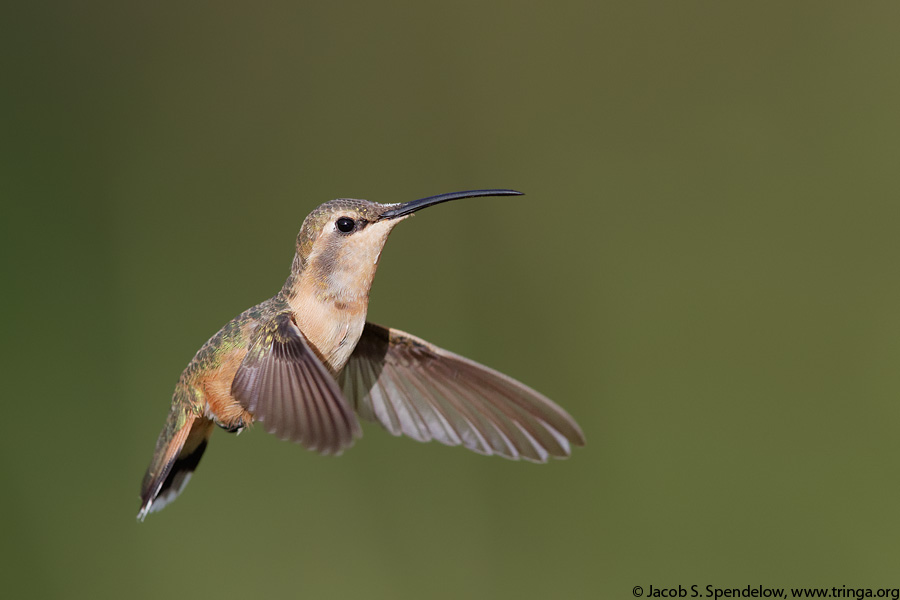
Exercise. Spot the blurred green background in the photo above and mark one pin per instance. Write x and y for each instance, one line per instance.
(703, 272)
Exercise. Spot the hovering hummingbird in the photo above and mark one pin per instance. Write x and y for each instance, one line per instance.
(305, 362)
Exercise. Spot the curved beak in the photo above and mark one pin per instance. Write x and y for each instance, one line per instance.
(406, 208)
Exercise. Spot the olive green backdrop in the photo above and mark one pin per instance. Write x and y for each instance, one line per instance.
(704, 272)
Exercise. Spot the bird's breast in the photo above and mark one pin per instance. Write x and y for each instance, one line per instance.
(332, 328)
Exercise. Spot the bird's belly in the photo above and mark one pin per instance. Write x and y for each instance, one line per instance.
(348, 337)
(216, 387)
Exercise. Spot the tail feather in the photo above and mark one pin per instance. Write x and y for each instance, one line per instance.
(178, 451)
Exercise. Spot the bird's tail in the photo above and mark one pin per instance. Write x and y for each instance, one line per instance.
(178, 450)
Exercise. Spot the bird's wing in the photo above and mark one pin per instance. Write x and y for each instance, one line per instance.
(286, 387)
(416, 389)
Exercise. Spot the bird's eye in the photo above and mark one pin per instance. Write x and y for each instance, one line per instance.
(345, 224)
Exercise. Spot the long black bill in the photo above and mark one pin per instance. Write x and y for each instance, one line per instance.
(411, 207)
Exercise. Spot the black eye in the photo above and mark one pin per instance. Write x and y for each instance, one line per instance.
(345, 225)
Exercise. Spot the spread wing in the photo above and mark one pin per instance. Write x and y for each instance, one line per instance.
(286, 387)
(416, 389)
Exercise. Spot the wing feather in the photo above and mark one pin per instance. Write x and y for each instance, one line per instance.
(416, 389)
(286, 387)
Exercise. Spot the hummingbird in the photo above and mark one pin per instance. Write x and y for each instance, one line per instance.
(307, 365)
